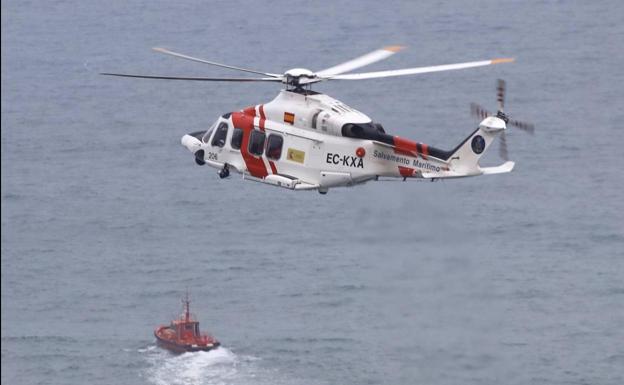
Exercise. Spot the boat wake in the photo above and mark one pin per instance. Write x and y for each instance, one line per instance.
(219, 366)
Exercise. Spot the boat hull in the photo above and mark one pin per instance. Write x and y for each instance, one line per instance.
(177, 347)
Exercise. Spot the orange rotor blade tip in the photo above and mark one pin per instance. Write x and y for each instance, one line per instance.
(394, 48)
(503, 60)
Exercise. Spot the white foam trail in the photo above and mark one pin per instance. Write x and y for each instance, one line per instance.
(219, 366)
(146, 349)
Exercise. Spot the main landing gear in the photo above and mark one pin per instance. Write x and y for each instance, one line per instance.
(224, 172)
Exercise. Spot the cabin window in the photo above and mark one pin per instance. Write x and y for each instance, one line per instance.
(219, 137)
(256, 142)
(237, 138)
(188, 327)
(274, 147)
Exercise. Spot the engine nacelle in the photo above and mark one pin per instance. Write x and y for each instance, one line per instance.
(328, 122)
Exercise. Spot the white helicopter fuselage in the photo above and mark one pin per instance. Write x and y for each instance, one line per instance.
(304, 140)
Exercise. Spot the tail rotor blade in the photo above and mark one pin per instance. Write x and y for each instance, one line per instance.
(500, 94)
(502, 149)
(478, 111)
(524, 126)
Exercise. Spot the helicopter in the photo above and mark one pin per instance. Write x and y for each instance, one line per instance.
(307, 140)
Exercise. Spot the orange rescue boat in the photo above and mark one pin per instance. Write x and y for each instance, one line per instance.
(183, 334)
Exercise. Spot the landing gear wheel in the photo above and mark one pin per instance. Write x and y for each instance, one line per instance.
(224, 172)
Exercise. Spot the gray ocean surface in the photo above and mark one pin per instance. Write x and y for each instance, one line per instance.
(106, 220)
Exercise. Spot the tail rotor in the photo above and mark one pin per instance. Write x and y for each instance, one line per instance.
(481, 113)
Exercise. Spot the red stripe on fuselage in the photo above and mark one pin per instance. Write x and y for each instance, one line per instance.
(262, 117)
(254, 164)
(425, 151)
(407, 147)
(406, 171)
(404, 146)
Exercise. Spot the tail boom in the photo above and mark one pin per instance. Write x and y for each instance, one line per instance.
(418, 160)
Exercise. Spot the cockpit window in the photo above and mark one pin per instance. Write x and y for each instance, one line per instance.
(219, 137)
(237, 138)
(206, 136)
(256, 142)
(274, 147)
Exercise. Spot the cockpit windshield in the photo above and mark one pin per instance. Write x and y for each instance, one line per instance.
(207, 134)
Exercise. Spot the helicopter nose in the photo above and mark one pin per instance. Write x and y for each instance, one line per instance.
(191, 143)
(194, 146)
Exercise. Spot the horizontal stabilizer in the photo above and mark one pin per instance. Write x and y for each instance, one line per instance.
(503, 168)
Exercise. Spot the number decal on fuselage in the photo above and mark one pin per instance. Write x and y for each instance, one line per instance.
(344, 160)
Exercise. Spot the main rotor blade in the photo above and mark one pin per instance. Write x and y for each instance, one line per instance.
(361, 61)
(528, 127)
(419, 70)
(500, 93)
(166, 51)
(194, 78)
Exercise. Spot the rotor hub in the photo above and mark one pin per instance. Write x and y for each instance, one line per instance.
(300, 72)
(294, 76)
(501, 115)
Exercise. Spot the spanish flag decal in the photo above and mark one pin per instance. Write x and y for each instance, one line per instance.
(295, 155)
(289, 117)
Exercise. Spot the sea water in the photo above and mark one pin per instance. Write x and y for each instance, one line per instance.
(106, 219)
